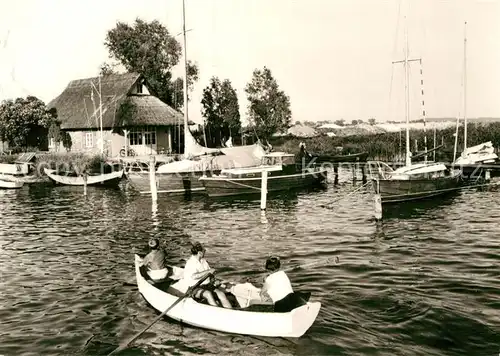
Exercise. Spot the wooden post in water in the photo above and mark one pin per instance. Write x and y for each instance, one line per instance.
(263, 192)
(363, 172)
(85, 184)
(336, 173)
(377, 200)
(152, 179)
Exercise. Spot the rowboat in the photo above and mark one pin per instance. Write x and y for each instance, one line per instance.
(235, 321)
(68, 178)
(10, 184)
(283, 174)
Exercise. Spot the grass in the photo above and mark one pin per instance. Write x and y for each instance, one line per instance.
(63, 162)
(391, 146)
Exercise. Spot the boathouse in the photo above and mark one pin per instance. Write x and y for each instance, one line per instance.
(132, 118)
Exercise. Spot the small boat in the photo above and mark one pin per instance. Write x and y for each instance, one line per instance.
(70, 178)
(413, 181)
(182, 177)
(6, 183)
(283, 174)
(235, 321)
(418, 181)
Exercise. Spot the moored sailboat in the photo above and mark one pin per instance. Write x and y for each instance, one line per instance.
(411, 182)
(480, 160)
(283, 174)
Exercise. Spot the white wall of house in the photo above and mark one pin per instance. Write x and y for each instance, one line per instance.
(144, 141)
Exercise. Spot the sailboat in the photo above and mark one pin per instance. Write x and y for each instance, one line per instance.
(412, 181)
(182, 177)
(479, 160)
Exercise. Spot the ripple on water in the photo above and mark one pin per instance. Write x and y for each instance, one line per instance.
(422, 282)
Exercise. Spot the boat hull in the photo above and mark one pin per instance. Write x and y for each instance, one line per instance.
(10, 184)
(234, 321)
(477, 170)
(396, 191)
(220, 186)
(168, 183)
(356, 157)
(107, 179)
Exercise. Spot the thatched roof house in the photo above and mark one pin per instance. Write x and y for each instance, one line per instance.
(125, 103)
(143, 121)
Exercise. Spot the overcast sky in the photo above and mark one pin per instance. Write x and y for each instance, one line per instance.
(332, 57)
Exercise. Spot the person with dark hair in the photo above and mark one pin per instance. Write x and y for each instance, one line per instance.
(155, 261)
(278, 288)
(197, 267)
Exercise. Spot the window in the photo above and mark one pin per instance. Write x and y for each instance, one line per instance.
(150, 138)
(135, 138)
(139, 88)
(89, 139)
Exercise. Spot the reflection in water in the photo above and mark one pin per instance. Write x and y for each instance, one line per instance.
(422, 208)
(420, 283)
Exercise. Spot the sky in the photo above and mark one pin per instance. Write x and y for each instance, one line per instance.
(333, 58)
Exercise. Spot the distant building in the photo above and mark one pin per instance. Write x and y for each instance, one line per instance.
(129, 115)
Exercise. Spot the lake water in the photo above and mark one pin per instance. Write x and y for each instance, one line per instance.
(424, 281)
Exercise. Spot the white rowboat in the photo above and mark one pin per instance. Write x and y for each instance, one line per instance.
(235, 321)
(107, 178)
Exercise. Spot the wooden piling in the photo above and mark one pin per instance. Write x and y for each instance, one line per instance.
(263, 191)
(377, 200)
(152, 179)
(85, 184)
(336, 174)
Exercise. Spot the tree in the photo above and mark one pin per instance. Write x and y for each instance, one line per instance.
(59, 135)
(107, 69)
(221, 110)
(269, 107)
(149, 49)
(371, 121)
(24, 122)
(340, 122)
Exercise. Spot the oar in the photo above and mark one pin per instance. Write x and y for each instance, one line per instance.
(187, 294)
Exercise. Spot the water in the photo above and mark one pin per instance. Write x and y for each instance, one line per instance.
(425, 281)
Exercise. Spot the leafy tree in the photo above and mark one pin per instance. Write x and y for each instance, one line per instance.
(107, 69)
(59, 135)
(269, 107)
(371, 121)
(340, 122)
(149, 49)
(221, 110)
(24, 122)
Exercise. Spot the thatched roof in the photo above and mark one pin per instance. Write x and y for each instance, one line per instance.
(302, 131)
(149, 110)
(77, 110)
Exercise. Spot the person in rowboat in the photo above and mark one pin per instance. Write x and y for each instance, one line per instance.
(278, 288)
(197, 267)
(155, 262)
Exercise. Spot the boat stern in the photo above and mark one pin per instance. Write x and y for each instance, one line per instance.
(303, 318)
